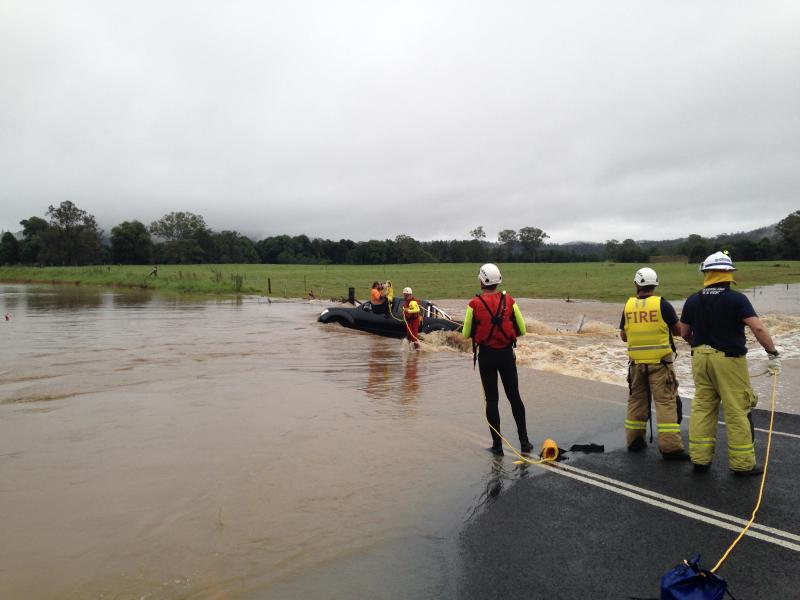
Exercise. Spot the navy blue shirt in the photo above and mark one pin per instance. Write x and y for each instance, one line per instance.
(716, 315)
(667, 313)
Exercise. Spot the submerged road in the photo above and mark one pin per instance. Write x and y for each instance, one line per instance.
(609, 525)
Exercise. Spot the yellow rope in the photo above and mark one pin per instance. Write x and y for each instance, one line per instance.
(408, 329)
(763, 477)
(443, 318)
(522, 459)
(406, 322)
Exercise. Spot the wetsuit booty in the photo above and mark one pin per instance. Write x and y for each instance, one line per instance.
(496, 450)
(525, 446)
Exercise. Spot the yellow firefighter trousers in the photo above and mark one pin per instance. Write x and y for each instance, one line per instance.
(720, 378)
(664, 391)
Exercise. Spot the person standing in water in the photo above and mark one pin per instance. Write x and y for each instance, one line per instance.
(648, 323)
(494, 322)
(411, 317)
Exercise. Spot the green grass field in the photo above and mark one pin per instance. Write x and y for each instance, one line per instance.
(599, 281)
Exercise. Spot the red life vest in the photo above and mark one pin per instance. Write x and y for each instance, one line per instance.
(493, 320)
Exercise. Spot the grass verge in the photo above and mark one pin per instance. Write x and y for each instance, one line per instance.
(598, 281)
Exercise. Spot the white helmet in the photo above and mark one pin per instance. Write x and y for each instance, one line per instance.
(490, 274)
(645, 276)
(719, 261)
(407, 290)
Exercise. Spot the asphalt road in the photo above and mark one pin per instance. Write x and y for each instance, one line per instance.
(570, 535)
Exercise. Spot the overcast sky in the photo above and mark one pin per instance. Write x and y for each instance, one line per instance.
(590, 120)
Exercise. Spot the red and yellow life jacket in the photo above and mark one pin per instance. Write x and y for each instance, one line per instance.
(413, 316)
(493, 320)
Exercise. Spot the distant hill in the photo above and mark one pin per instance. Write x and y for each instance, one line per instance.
(582, 247)
(755, 235)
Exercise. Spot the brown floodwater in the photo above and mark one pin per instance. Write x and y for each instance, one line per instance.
(163, 447)
(158, 447)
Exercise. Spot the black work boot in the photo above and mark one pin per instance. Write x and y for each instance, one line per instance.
(637, 445)
(698, 468)
(679, 455)
(756, 470)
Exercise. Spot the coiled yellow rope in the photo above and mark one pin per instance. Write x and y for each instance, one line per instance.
(522, 458)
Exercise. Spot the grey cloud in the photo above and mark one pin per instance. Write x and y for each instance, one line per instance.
(370, 119)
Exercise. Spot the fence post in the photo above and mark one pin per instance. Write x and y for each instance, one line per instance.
(351, 295)
(269, 286)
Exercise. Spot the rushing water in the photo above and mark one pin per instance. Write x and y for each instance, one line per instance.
(159, 447)
(581, 339)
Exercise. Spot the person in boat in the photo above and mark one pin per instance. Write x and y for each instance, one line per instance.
(388, 292)
(377, 299)
(411, 316)
(648, 323)
(494, 322)
(713, 321)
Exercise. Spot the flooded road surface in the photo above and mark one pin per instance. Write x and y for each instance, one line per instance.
(157, 447)
(154, 447)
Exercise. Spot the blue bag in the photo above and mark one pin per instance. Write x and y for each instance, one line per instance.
(687, 581)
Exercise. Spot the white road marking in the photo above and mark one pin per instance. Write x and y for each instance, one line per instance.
(675, 509)
(774, 432)
(679, 502)
(688, 417)
(794, 435)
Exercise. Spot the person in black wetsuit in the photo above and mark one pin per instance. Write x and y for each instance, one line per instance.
(494, 322)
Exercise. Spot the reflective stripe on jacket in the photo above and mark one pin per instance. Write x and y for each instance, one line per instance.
(647, 332)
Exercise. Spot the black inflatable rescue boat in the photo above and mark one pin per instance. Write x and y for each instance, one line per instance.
(380, 321)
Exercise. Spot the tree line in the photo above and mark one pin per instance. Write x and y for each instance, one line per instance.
(69, 236)
(696, 247)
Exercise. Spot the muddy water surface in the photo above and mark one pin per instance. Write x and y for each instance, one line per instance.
(157, 447)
